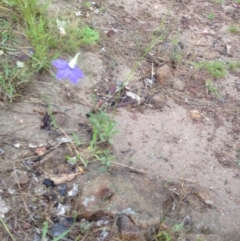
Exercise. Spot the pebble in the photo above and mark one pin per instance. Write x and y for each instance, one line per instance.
(164, 75)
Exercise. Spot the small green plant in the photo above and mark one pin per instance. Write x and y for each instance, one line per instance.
(88, 4)
(238, 1)
(7, 229)
(162, 236)
(103, 129)
(234, 65)
(211, 88)
(73, 160)
(215, 68)
(209, 15)
(105, 157)
(234, 29)
(45, 231)
(11, 78)
(176, 57)
(177, 228)
(78, 36)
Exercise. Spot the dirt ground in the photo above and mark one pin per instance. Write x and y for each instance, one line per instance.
(177, 152)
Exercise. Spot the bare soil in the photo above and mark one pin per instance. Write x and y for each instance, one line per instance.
(177, 153)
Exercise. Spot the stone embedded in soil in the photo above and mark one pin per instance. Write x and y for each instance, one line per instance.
(128, 230)
(195, 115)
(20, 177)
(158, 102)
(164, 75)
(4, 208)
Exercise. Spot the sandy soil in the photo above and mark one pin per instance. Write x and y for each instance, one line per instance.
(181, 143)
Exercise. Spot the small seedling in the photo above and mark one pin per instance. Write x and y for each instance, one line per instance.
(73, 160)
(103, 129)
(88, 4)
(211, 88)
(45, 231)
(78, 36)
(234, 65)
(105, 157)
(216, 68)
(177, 228)
(209, 15)
(234, 29)
(162, 236)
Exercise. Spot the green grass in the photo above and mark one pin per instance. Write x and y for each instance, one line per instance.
(211, 88)
(7, 230)
(42, 35)
(210, 16)
(103, 129)
(234, 65)
(45, 231)
(234, 29)
(162, 236)
(215, 68)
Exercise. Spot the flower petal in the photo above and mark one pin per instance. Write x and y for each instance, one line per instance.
(62, 73)
(78, 72)
(59, 63)
(75, 75)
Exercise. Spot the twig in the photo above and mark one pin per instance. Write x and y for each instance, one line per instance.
(139, 170)
(8, 231)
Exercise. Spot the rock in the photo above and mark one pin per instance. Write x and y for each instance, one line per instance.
(164, 75)
(20, 177)
(178, 84)
(91, 199)
(195, 115)
(4, 208)
(158, 102)
(127, 229)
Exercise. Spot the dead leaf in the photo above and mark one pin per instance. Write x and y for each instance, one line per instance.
(40, 150)
(64, 178)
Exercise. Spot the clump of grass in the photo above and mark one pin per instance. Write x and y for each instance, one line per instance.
(78, 36)
(211, 88)
(234, 29)
(162, 236)
(103, 128)
(215, 68)
(210, 16)
(44, 39)
(234, 65)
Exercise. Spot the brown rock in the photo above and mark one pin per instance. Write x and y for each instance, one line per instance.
(158, 102)
(20, 177)
(164, 75)
(127, 229)
(195, 115)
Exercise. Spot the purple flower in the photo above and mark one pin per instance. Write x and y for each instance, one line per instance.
(68, 70)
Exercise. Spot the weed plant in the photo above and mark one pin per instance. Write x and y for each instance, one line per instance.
(211, 88)
(234, 29)
(103, 129)
(210, 16)
(215, 68)
(43, 35)
(234, 65)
